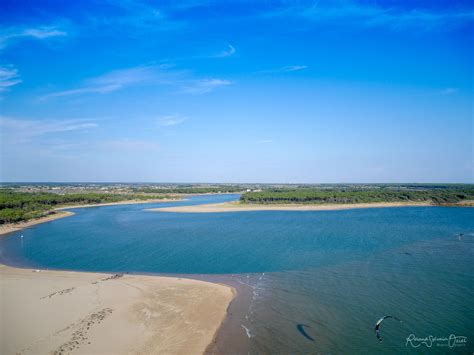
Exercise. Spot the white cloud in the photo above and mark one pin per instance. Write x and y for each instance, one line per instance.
(448, 91)
(85, 90)
(8, 77)
(134, 17)
(286, 69)
(203, 86)
(368, 14)
(119, 79)
(265, 141)
(172, 120)
(230, 51)
(142, 75)
(43, 32)
(14, 33)
(126, 76)
(293, 68)
(27, 129)
(33, 139)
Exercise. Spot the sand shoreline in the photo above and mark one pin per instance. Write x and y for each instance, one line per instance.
(14, 227)
(238, 207)
(61, 212)
(126, 202)
(61, 311)
(55, 311)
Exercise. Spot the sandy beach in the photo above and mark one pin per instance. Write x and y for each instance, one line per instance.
(13, 227)
(239, 207)
(61, 312)
(126, 202)
(90, 313)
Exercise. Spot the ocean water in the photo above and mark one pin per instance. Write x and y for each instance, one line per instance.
(331, 273)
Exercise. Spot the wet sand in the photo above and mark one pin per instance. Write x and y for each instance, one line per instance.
(61, 311)
(241, 207)
(231, 334)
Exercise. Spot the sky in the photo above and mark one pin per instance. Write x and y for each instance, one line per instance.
(237, 91)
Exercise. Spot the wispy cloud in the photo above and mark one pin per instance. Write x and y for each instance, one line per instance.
(372, 14)
(43, 32)
(8, 77)
(64, 138)
(448, 91)
(292, 68)
(119, 79)
(230, 51)
(171, 120)
(8, 35)
(84, 90)
(163, 74)
(285, 69)
(197, 87)
(27, 129)
(134, 17)
(264, 141)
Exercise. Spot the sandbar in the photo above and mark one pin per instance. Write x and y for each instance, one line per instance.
(125, 202)
(44, 311)
(241, 207)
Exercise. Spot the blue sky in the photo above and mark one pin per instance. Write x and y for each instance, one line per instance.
(241, 91)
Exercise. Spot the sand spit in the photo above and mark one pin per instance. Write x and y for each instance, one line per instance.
(89, 313)
(239, 207)
(126, 202)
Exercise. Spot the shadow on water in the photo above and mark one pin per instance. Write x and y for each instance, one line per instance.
(300, 328)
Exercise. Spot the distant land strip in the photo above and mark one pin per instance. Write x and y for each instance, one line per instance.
(242, 207)
(29, 210)
(19, 206)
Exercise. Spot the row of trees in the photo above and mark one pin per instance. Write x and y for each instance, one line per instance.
(320, 196)
(22, 206)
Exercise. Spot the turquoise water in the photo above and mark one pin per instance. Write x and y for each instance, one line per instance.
(337, 272)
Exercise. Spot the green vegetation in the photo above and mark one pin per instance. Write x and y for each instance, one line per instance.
(22, 206)
(24, 202)
(338, 195)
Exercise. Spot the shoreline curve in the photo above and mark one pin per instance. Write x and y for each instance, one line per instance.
(62, 211)
(92, 312)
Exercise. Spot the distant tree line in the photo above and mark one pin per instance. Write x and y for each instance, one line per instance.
(21, 206)
(436, 195)
(191, 190)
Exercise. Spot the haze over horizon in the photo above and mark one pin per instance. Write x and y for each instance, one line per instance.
(237, 92)
(402, 183)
